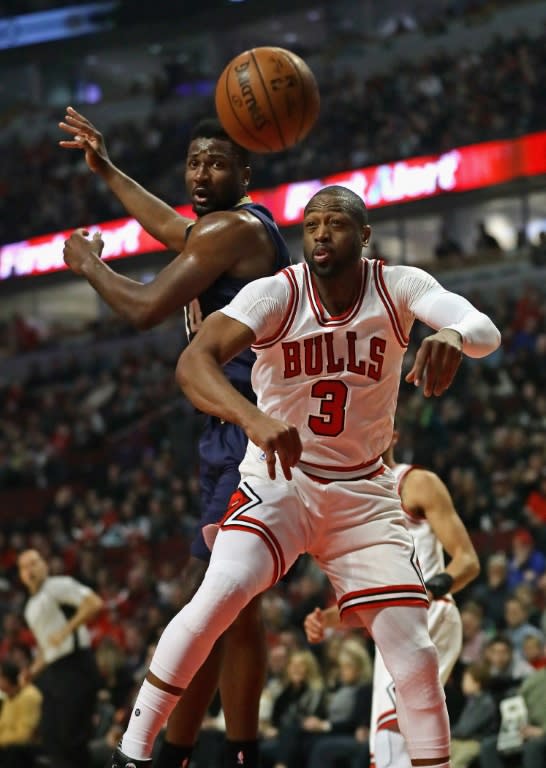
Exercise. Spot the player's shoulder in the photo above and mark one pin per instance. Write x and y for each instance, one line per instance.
(400, 271)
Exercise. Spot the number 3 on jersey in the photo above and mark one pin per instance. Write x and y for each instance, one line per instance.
(333, 397)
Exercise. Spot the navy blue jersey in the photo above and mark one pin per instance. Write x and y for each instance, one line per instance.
(222, 445)
(223, 290)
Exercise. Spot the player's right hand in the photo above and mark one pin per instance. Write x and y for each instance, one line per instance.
(87, 138)
(314, 626)
(277, 439)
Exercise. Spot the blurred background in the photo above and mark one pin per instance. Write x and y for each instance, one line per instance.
(435, 111)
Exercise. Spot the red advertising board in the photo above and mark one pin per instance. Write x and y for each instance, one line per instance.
(459, 170)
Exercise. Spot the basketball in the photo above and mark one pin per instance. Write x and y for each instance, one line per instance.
(267, 99)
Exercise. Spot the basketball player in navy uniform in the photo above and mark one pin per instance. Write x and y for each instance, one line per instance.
(232, 242)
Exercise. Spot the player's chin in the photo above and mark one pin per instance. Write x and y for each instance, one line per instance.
(203, 207)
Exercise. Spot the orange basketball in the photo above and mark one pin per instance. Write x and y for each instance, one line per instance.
(267, 99)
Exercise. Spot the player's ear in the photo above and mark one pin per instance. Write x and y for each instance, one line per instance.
(366, 234)
(246, 176)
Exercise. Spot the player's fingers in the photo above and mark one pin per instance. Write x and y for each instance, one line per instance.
(75, 115)
(71, 144)
(284, 459)
(271, 461)
(72, 129)
(415, 376)
(434, 367)
(451, 362)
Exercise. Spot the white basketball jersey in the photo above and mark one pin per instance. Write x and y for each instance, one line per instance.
(336, 378)
(429, 551)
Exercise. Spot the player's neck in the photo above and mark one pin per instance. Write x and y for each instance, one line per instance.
(338, 294)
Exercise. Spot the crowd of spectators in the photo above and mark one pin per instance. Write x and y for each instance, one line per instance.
(418, 107)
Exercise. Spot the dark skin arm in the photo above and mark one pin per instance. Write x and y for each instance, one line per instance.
(225, 241)
(157, 218)
(199, 374)
(437, 361)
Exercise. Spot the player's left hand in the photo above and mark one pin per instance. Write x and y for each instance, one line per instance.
(78, 249)
(314, 626)
(437, 361)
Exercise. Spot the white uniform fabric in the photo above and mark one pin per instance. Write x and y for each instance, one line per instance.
(44, 615)
(354, 529)
(444, 624)
(336, 378)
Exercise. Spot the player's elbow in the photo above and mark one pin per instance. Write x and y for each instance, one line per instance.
(473, 567)
(182, 373)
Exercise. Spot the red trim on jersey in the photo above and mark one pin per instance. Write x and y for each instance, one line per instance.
(388, 725)
(383, 590)
(322, 317)
(289, 315)
(235, 519)
(278, 560)
(326, 480)
(354, 468)
(389, 304)
(421, 602)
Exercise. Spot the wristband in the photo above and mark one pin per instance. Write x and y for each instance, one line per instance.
(439, 585)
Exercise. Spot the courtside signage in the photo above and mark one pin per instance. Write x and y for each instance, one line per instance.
(459, 170)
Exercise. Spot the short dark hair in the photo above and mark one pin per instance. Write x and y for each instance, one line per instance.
(10, 671)
(212, 128)
(351, 201)
(500, 639)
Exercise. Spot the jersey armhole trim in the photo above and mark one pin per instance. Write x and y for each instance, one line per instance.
(388, 303)
(289, 315)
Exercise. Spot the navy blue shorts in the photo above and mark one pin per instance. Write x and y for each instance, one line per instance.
(221, 449)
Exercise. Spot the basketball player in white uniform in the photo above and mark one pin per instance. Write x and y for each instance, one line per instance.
(435, 526)
(329, 336)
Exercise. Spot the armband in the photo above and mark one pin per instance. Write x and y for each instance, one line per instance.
(439, 585)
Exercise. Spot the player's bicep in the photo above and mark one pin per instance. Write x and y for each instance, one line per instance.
(442, 516)
(222, 338)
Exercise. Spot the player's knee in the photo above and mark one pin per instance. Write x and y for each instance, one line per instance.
(226, 589)
(416, 677)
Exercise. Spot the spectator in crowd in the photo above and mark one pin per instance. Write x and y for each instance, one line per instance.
(533, 750)
(485, 241)
(534, 651)
(478, 719)
(527, 563)
(302, 696)
(517, 624)
(492, 593)
(20, 714)
(506, 669)
(64, 669)
(475, 635)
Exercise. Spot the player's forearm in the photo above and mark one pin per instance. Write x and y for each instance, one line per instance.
(158, 219)
(210, 391)
(443, 309)
(463, 568)
(127, 298)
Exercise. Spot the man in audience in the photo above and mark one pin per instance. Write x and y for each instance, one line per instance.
(20, 715)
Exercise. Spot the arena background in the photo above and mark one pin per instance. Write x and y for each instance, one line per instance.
(434, 110)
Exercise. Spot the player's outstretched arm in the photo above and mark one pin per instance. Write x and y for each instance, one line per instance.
(460, 329)
(216, 243)
(424, 490)
(199, 374)
(159, 219)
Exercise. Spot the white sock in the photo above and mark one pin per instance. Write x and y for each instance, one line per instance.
(150, 713)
